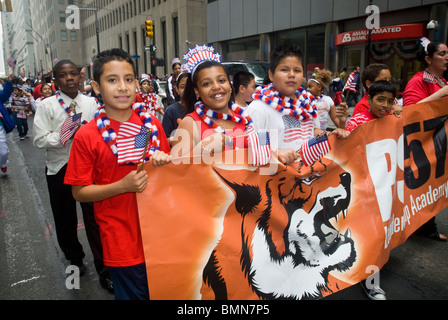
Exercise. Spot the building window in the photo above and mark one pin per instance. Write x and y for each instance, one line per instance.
(310, 41)
(176, 36)
(64, 35)
(73, 36)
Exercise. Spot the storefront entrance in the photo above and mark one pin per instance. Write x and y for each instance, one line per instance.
(354, 56)
(394, 46)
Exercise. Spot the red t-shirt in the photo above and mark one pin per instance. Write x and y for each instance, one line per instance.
(359, 119)
(419, 88)
(93, 162)
(361, 106)
(238, 132)
(36, 92)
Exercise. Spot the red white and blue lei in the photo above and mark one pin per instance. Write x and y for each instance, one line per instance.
(65, 107)
(302, 108)
(110, 136)
(207, 115)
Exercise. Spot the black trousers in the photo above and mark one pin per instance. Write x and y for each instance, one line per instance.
(65, 217)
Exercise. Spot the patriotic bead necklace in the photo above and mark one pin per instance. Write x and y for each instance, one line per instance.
(65, 107)
(150, 100)
(110, 136)
(207, 115)
(302, 108)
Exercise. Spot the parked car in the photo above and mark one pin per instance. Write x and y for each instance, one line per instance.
(163, 93)
(258, 68)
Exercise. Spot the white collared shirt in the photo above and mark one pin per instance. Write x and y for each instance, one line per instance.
(47, 125)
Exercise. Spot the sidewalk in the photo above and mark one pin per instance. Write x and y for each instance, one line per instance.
(416, 270)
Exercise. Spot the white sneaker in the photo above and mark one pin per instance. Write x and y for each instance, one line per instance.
(375, 293)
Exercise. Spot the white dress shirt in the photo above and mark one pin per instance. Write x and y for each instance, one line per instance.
(47, 125)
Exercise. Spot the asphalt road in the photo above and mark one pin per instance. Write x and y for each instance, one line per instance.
(33, 267)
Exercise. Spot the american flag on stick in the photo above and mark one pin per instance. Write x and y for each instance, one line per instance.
(12, 62)
(132, 143)
(260, 147)
(315, 149)
(69, 127)
(350, 84)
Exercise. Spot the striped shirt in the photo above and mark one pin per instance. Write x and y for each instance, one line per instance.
(359, 119)
(19, 104)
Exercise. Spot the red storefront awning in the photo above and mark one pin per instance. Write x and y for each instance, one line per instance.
(403, 31)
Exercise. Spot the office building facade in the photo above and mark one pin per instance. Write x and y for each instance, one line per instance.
(332, 33)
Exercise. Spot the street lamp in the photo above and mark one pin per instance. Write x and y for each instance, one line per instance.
(97, 27)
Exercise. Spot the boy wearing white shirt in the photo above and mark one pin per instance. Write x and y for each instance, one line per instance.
(49, 118)
(284, 108)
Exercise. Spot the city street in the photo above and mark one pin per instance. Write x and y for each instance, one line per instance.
(33, 267)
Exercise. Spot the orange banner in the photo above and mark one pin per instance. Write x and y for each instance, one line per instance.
(231, 231)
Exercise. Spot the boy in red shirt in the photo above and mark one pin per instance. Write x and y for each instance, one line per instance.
(97, 176)
(381, 98)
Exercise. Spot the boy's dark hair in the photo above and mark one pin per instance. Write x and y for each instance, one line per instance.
(382, 86)
(371, 72)
(107, 56)
(61, 63)
(284, 51)
(242, 78)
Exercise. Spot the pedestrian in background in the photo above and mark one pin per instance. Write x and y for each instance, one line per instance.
(50, 116)
(46, 91)
(429, 85)
(353, 87)
(337, 86)
(176, 112)
(21, 105)
(344, 76)
(4, 150)
(149, 97)
(243, 88)
(326, 108)
(172, 93)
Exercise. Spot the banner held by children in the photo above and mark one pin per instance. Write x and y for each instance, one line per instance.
(302, 232)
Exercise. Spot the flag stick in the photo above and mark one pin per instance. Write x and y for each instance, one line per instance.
(148, 136)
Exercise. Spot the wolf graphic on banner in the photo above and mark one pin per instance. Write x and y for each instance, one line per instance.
(280, 255)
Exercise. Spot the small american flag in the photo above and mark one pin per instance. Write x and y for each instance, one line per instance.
(351, 84)
(296, 130)
(131, 142)
(69, 128)
(12, 62)
(315, 149)
(260, 147)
